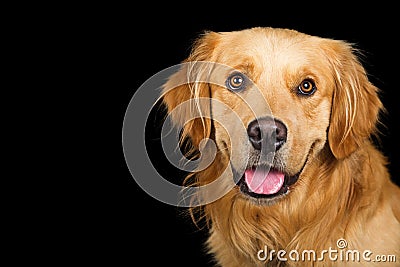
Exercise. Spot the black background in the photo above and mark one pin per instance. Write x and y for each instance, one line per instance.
(132, 44)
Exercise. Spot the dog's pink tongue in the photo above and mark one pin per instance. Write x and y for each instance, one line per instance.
(264, 181)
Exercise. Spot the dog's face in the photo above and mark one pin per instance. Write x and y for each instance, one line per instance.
(279, 97)
(281, 87)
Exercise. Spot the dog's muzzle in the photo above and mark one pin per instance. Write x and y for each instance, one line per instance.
(267, 135)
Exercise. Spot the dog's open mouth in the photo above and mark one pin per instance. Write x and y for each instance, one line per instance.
(265, 182)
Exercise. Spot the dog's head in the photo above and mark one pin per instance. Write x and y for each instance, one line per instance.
(272, 100)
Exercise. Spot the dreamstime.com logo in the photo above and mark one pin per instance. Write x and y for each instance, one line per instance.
(134, 125)
(339, 254)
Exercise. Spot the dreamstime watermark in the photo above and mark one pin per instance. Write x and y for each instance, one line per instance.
(340, 253)
(189, 74)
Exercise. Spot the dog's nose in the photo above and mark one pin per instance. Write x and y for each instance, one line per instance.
(267, 132)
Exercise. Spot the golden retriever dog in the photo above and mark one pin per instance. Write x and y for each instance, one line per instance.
(300, 181)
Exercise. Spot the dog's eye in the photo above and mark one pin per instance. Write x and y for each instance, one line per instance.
(306, 87)
(236, 82)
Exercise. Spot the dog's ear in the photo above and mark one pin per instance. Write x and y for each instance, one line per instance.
(355, 104)
(186, 94)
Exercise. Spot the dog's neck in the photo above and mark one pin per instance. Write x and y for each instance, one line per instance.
(321, 212)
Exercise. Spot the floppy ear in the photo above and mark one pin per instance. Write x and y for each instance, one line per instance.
(186, 99)
(355, 105)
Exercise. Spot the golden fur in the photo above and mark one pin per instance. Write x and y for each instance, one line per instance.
(344, 189)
